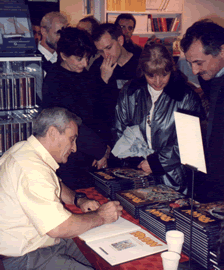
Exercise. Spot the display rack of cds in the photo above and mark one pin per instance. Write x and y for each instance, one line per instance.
(20, 94)
(17, 91)
(21, 74)
(12, 132)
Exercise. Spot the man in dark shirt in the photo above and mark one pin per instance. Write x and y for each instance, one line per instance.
(127, 23)
(114, 67)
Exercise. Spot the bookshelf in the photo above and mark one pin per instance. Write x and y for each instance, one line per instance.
(162, 18)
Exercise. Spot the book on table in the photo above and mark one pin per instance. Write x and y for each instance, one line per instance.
(135, 199)
(111, 180)
(122, 241)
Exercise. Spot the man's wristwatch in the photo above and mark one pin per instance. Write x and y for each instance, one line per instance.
(77, 196)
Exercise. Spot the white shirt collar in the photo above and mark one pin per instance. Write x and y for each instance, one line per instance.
(48, 55)
(154, 93)
(46, 156)
(220, 73)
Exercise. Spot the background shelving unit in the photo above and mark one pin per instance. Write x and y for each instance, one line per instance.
(169, 20)
(20, 90)
(21, 74)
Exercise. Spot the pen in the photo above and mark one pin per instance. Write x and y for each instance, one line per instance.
(103, 250)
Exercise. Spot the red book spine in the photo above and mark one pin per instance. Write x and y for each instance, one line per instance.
(164, 25)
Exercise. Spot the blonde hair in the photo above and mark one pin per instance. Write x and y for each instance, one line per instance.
(155, 59)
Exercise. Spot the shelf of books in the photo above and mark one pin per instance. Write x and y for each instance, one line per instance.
(163, 17)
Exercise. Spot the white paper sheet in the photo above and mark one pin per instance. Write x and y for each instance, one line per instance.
(190, 141)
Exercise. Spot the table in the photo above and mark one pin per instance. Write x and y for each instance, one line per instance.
(152, 262)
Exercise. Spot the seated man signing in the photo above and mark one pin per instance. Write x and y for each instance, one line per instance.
(35, 227)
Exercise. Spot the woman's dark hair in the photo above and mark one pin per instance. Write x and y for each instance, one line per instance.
(74, 41)
(155, 59)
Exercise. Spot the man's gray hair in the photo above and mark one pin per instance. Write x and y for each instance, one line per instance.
(57, 117)
(47, 20)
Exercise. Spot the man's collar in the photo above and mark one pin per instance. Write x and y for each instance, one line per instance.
(45, 155)
(220, 73)
(48, 55)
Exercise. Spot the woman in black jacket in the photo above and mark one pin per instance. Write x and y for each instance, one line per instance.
(69, 85)
(150, 102)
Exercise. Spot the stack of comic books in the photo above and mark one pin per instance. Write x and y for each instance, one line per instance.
(158, 219)
(205, 232)
(213, 258)
(135, 199)
(111, 180)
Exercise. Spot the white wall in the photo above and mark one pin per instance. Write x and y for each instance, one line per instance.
(72, 9)
(195, 10)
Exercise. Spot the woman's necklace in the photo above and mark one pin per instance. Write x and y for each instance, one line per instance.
(148, 120)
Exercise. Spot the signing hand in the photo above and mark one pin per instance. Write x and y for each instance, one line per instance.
(107, 68)
(144, 165)
(110, 211)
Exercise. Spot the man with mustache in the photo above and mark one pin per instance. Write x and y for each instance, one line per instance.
(203, 46)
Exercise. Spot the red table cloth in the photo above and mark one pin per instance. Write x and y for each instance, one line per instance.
(152, 262)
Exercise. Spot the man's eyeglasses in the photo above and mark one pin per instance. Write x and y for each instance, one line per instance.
(130, 28)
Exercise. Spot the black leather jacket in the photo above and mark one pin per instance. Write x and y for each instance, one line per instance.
(134, 103)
